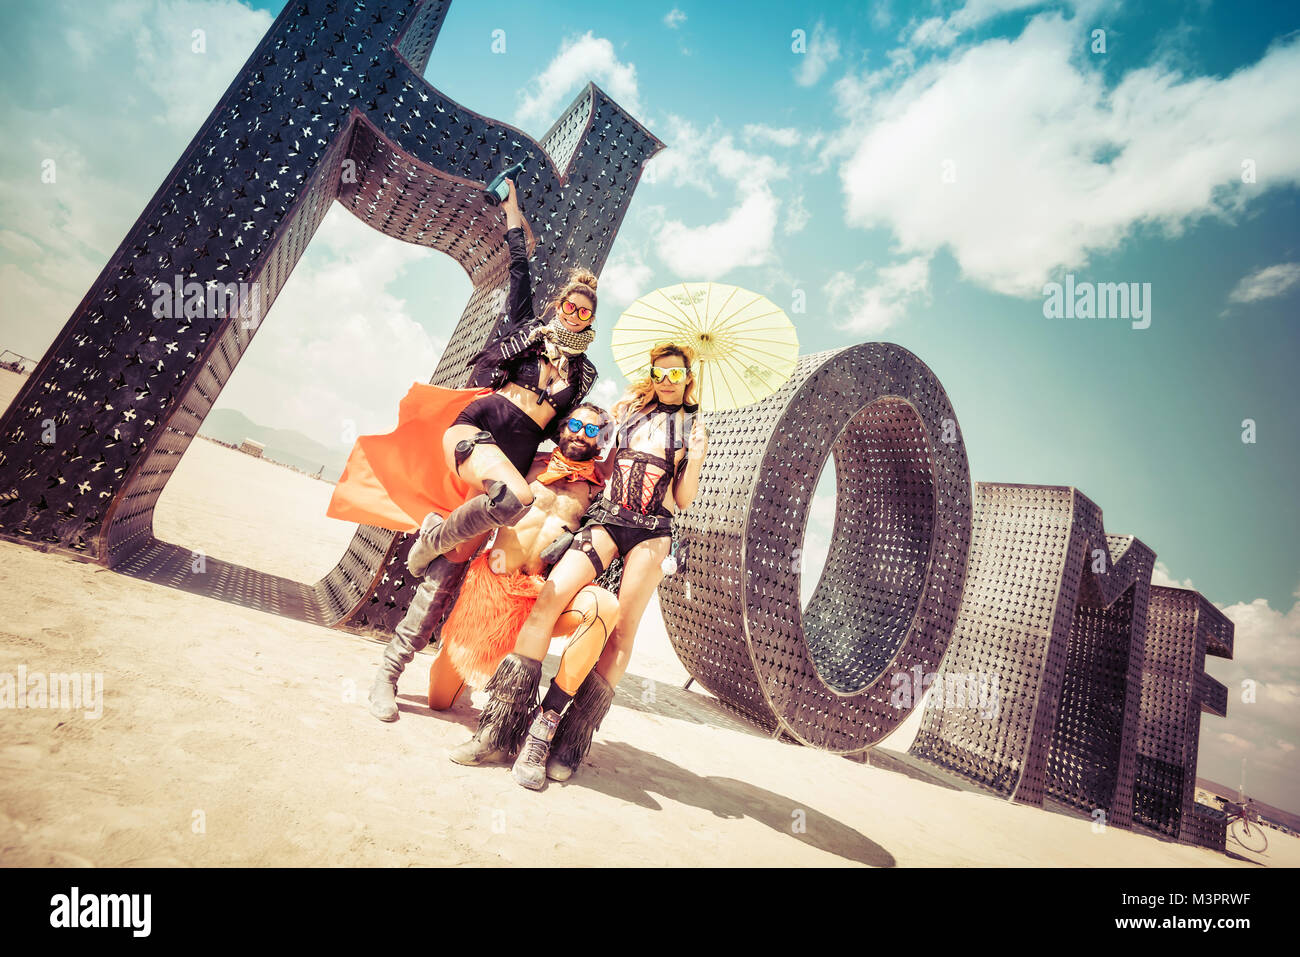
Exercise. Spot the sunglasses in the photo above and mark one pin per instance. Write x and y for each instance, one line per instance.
(675, 375)
(571, 307)
(577, 425)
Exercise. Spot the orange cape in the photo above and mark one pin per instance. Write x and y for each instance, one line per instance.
(395, 480)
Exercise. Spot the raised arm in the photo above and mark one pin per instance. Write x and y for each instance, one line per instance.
(519, 305)
(514, 336)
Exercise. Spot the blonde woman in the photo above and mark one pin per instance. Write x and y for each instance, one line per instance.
(659, 449)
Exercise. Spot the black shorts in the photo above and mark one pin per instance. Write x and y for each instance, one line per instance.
(626, 537)
(513, 432)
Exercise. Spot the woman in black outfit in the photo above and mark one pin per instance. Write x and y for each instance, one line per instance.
(540, 372)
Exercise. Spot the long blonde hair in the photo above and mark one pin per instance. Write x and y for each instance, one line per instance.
(641, 392)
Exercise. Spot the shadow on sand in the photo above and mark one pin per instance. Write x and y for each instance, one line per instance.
(629, 774)
(634, 692)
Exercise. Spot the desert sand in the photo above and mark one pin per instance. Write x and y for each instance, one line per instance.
(233, 737)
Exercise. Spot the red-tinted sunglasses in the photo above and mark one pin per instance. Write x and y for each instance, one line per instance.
(571, 307)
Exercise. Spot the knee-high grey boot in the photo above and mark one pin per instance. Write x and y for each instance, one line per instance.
(503, 721)
(433, 599)
(493, 508)
(573, 737)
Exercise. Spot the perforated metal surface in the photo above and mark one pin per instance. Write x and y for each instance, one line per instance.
(1182, 627)
(1054, 609)
(331, 105)
(888, 596)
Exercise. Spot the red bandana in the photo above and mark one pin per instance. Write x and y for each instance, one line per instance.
(561, 466)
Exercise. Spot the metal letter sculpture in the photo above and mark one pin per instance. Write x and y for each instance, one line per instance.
(1060, 613)
(1056, 609)
(331, 105)
(1182, 628)
(888, 597)
(1093, 703)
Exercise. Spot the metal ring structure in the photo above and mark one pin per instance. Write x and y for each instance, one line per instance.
(888, 596)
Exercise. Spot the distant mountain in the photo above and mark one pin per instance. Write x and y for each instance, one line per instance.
(282, 445)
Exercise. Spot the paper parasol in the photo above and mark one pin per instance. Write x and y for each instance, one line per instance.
(747, 346)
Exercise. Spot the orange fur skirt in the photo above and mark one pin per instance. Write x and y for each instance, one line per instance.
(486, 619)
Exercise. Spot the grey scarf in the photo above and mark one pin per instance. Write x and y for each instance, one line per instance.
(559, 343)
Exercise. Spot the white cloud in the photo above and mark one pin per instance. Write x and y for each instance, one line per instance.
(743, 238)
(1267, 283)
(674, 18)
(943, 31)
(796, 216)
(1161, 575)
(1022, 123)
(685, 161)
(823, 50)
(335, 347)
(190, 83)
(1266, 656)
(874, 308)
(751, 172)
(606, 392)
(579, 59)
(821, 513)
(780, 136)
(622, 281)
(1234, 743)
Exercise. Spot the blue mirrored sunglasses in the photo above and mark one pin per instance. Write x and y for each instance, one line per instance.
(576, 425)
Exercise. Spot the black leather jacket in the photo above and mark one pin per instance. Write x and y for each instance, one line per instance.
(509, 357)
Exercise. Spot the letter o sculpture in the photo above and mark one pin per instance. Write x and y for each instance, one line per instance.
(887, 599)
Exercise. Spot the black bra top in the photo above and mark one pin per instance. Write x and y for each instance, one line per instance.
(528, 373)
(641, 480)
(510, 357)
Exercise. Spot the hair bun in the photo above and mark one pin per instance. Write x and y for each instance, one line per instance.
(584, 276)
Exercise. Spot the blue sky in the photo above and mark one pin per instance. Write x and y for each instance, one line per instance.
(918, 173)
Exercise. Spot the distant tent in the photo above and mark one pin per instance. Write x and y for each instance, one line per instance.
(249, 447)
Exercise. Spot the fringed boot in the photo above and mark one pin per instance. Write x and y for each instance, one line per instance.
(504, 719)
(433, 599)
(573, 737)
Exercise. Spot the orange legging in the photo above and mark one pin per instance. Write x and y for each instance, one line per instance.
(588, 621)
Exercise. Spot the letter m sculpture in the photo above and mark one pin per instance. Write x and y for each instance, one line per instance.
(331, 105)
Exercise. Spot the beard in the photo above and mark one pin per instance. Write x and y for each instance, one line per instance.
(578, 450)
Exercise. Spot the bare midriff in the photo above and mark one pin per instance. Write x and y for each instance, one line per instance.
(526, 399)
